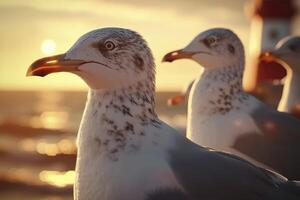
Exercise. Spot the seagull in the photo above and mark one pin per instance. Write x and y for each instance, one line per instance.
(287, 53)
(224, 117)
(125, 152)
(179, 99)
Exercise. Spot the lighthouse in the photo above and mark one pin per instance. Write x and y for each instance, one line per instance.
(271, 20)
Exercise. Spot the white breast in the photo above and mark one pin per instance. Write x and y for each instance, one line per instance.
(131, 176)
(218, 131)
(128, 178)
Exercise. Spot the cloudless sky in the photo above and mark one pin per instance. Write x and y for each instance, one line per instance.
(166, 25)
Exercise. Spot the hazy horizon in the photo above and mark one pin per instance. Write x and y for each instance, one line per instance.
(40, 116)
(34, 29)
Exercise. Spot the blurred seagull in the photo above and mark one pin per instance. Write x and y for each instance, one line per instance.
(287, 52)
(125, 152)
(222, 116)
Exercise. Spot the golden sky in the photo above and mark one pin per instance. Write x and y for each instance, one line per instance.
(166, 25)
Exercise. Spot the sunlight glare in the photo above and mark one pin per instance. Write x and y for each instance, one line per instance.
(59, 179)
(54, 120)
(48, 47)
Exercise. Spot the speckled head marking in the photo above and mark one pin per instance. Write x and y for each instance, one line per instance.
(217, 47)
(223, 74)
(119, 57)
(214, 48)
(118, 67)
(220, 52)
(107, 58)
(121, 100)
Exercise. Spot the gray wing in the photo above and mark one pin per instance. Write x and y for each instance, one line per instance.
(279, 146)
(206, 174)
(278, 126)
(168, 194)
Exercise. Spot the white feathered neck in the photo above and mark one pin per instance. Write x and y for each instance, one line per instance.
(117, 120)
(218, 91)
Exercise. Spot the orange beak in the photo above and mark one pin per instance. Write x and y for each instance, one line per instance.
(176, 100)
(53, 64)
(268, 56)
(175, 55)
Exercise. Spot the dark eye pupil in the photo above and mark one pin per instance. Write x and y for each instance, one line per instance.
(292, 47)
(109, 45)
(209, 41)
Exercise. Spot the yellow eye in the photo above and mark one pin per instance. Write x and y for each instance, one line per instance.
(109, 45)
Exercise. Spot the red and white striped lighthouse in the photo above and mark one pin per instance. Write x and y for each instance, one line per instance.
(271, 20)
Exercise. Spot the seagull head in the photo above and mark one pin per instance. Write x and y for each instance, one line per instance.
(213, 48)
(286, 52)
(106, 58)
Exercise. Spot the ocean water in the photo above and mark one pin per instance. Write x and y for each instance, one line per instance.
(37, 141)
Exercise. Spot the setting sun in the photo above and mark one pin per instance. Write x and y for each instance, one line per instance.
(48, 47)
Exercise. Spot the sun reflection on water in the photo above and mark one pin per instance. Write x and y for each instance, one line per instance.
(51, 112)
(46, 148)
(54, 120)
(64, 146)
(28, 145)
(50, 120)
(59, 179)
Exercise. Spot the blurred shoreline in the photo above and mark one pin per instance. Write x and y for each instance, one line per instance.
(37, 140)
